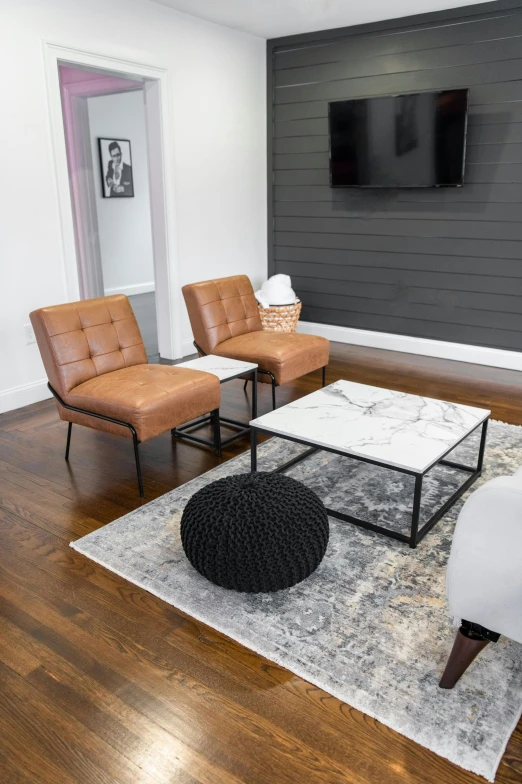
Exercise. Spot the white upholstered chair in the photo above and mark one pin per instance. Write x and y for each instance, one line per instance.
(484, 577)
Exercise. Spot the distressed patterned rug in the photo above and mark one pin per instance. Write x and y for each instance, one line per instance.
(371, 625)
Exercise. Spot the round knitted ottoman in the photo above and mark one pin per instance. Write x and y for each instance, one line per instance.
(255, 532)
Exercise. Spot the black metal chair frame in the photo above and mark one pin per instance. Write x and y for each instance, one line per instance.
(214, 415)
(266, 372)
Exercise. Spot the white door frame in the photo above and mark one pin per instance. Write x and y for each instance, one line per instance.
(159, 123)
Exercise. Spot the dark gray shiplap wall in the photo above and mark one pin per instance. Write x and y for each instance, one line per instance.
(442, 263)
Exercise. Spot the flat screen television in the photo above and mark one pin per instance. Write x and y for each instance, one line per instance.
(416, 140)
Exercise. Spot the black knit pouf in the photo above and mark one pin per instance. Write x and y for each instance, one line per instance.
(255, 532)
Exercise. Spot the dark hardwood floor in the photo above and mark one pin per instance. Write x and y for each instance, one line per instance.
(102, 683)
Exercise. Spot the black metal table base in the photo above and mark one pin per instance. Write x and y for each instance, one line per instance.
(216, 421)
(416, 534)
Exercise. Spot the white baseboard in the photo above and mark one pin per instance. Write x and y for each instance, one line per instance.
(136, 288)
(24, 395)
(478, 355)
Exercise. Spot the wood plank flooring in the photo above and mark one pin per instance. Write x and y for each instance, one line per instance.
(101, 683)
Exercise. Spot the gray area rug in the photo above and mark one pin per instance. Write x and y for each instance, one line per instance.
(371, 625)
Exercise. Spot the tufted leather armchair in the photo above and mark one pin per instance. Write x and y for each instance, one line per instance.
(225, 321)
(98, 372)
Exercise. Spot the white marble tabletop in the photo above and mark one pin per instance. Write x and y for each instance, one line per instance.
(399, 430)
(222, 367)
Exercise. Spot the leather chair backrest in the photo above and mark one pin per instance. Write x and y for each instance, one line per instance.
(81, 340)
(221, 309)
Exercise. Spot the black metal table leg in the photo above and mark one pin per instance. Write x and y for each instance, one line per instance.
(216, 424)
(482, 447)
(253, 449)
(185, 431)
(254, 394)
(416, 511)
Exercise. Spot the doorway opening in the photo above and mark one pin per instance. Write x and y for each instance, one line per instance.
(107, 144)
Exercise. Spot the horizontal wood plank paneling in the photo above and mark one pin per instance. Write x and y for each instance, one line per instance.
(442, 246)
(441, 263)
(402, 325)
(484, 114)
(425, 210)
(400, 227)
(481, 193)
(384, 259)
(498, 94)
(394, 84)
(495, 134)
(488, 173)
(426, 60)
(350, 276)
(361, 47)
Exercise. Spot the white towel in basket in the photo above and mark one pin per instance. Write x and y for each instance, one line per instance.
(277, 290)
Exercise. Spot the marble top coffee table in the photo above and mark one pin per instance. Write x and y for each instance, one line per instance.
(225, 369)
(401, 432)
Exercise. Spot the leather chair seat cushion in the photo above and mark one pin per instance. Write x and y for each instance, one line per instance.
(288, 355)
(152, 398)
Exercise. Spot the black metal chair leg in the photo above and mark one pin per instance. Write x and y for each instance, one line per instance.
(138, 466)
(245, 384)
(324, 376)
(273, 393)
(68, 441)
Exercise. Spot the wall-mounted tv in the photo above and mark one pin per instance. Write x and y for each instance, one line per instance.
(416, 140)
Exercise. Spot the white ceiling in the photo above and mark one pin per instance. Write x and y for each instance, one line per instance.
(275, 18)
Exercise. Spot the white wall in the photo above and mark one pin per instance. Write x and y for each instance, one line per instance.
(124, 225)
(218, 98)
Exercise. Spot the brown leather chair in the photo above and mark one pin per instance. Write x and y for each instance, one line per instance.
(98, 372)
(225, 321)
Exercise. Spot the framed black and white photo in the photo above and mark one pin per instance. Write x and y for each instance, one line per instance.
(116, 167)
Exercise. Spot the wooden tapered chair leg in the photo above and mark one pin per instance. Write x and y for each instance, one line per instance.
(471, 639)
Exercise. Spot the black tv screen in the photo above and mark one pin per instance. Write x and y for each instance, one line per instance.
(402, 141)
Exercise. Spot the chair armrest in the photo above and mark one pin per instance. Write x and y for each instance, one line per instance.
(484, 576)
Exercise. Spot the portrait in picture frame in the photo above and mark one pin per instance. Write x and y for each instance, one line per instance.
(116, 168)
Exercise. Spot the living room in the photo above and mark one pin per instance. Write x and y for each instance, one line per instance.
(288, 550)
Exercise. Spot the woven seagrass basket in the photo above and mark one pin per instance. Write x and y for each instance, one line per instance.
(280, 318)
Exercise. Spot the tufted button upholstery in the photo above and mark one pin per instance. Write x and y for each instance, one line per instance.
(95, 360)
(221, 309)
(225, 321)
(82, 340)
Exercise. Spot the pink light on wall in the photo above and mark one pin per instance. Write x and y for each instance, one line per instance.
(81, 82)
(75, 84)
